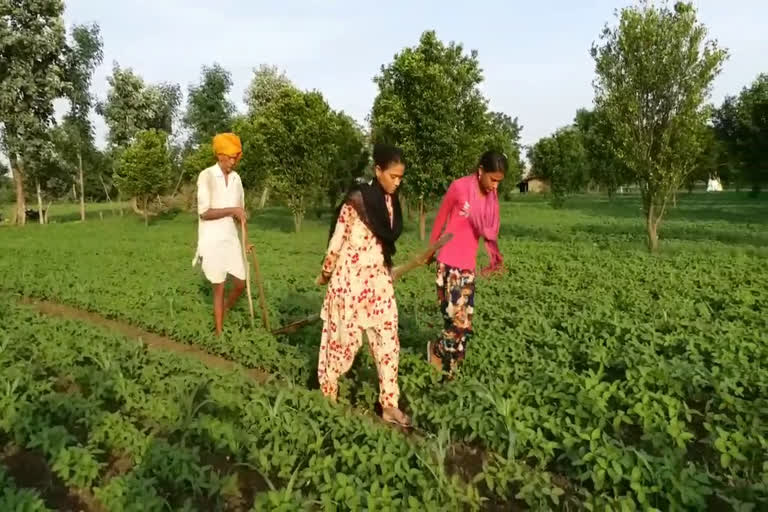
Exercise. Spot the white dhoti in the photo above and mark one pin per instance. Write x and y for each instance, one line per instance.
(221, 258)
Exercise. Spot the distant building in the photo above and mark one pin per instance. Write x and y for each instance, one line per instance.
(534, 185)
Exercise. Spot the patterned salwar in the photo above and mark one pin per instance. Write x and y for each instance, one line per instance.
(360, 297)
(456, 295)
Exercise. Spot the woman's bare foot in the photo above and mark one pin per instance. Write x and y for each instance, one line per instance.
(395, 415)
(433, 359)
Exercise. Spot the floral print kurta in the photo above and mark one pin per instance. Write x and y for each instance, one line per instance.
(360, 297)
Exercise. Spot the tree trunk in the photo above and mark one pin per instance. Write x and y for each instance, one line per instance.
(297, 218)
(21, 206)
(422, 220)
(41, 217)
(652, 226)
(146, 211)
(135, 206)
(82, 185)
(106, 192)
(264, 196)
(74, 192)
(137, 210)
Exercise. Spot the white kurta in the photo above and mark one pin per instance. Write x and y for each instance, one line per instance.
(218, 243)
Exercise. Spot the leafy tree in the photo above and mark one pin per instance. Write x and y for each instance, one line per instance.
(741, 124)
(252, 165)
(603, 167)
(84, 55)
(504, 136)
(562, 159)
(291, 138)
(132, 106)
(198, 159)
(266, 84)
(350, 156)
(143, 169)
(710, 162)
(50, 175)
(754, 103)
(265, 87)
(32, 75)
(208, 110)
(429, 104)
(654, 73)
(70, 151)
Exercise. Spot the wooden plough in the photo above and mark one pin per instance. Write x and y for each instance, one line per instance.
(397, 272)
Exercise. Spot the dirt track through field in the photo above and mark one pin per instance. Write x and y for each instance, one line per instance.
(163, 343)
(158, 342)
(153, 341)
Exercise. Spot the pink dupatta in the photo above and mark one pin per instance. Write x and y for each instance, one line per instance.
(485, 220)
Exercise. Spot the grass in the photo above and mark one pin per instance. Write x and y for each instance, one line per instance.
(69, 212)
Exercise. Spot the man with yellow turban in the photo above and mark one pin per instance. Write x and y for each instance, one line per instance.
(221, 210)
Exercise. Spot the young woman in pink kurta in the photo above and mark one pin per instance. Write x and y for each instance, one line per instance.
(360, 296)
(470, 211)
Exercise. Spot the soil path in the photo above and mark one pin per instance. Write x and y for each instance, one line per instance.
(153, 341)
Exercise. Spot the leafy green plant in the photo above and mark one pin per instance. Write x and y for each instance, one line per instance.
(599, 377)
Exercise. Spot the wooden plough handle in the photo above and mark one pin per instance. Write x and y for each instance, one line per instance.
(397, 272)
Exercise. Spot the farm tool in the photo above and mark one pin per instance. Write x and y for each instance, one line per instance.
(259, 282)
(416, 261)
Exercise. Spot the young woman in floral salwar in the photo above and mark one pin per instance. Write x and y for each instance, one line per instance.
(470, 209)
(360, 295)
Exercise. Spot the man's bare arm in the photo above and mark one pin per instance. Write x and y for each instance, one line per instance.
(219, 213)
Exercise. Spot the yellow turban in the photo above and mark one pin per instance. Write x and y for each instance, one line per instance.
(227, 144)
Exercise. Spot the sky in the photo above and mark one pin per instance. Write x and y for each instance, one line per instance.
(534, 54)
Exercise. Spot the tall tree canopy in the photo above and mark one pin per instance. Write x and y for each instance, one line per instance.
(654, 74)
(741, 124)
(603, 167)
(84, 55)
(504, 136)
(291, 138)
(143, 168)
(429, 103)
(209, 110)
(265, 87)
(350, 158)
(267, 82)
(562, 159)
(32, 75)
(132, 106)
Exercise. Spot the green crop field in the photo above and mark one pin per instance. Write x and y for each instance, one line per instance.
(601, 377)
